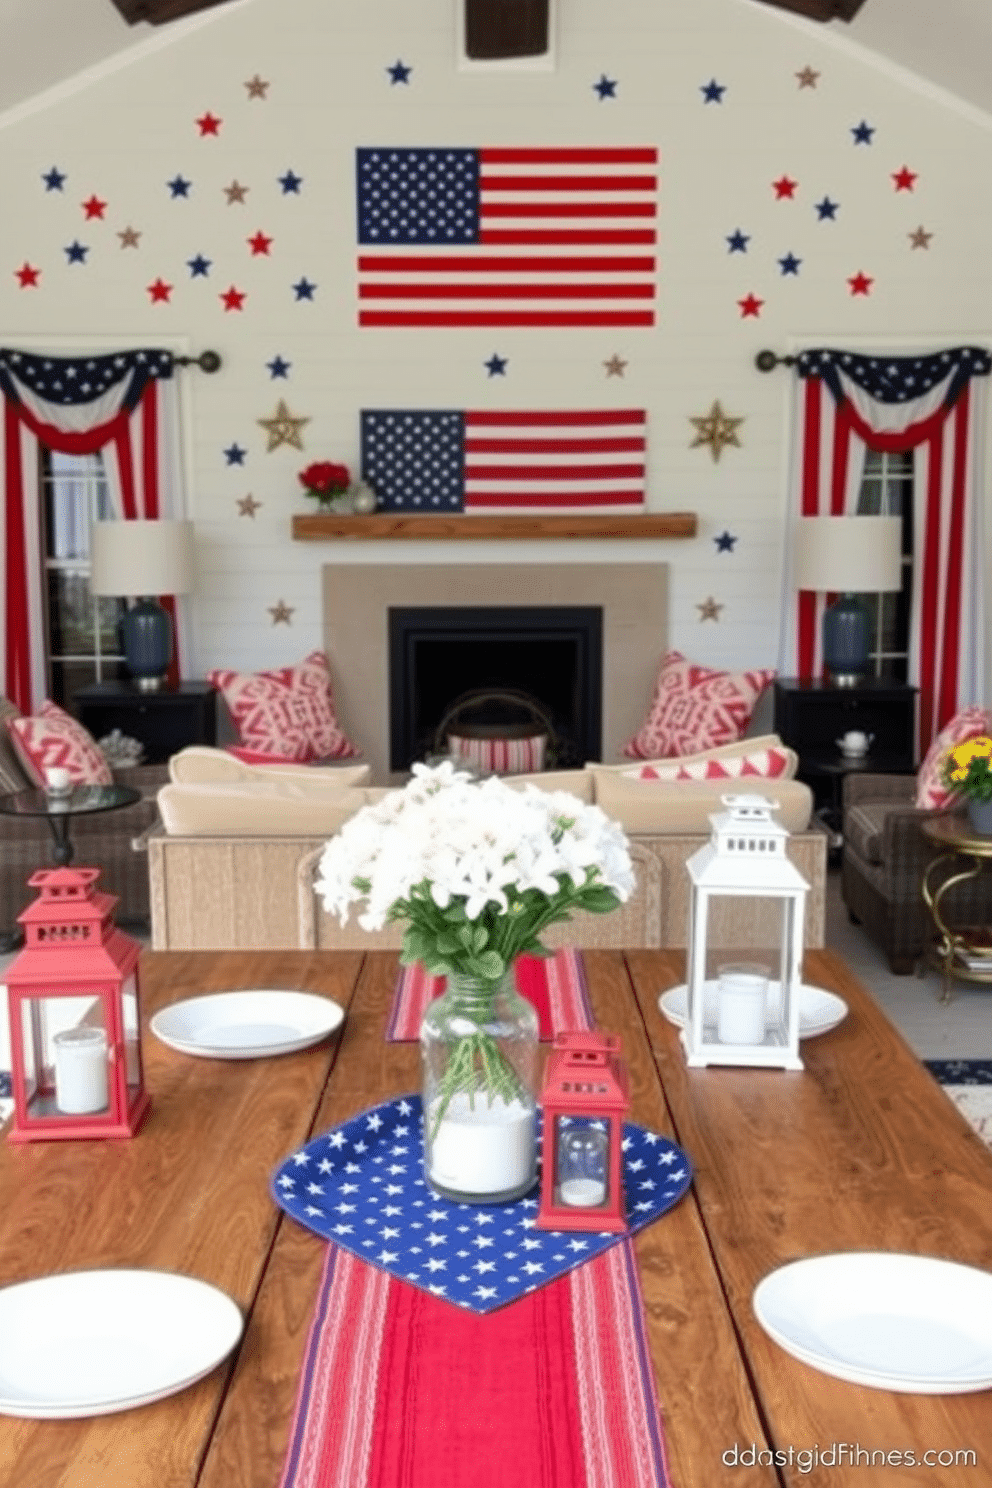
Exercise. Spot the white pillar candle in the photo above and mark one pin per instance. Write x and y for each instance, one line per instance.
(58, 780)
(80, 1070)
(583, 1193)
(488, 1149)
(741, 1007)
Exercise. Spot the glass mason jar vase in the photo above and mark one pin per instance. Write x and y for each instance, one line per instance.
(479, 1045)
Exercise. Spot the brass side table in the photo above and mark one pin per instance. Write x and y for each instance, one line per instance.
(964, 951)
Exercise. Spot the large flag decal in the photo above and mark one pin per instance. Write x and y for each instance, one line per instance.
(507, 237)
(446, 460)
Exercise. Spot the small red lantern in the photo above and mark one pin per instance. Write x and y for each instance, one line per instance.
(584, 1099)
(74, 1016)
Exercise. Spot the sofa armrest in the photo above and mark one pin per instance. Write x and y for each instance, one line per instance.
(145, 778)
(860, 787)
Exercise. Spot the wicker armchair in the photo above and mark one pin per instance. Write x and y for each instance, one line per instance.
(885, 857)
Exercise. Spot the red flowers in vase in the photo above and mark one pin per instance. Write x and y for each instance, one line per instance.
(324, 480)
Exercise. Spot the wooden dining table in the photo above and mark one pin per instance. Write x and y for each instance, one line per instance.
(861, 1151)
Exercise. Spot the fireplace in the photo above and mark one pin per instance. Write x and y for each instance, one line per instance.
(551, 654)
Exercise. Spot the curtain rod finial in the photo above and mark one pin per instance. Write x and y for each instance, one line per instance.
(766, 361)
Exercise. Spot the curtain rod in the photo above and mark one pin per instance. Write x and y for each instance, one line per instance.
(207, 361)
(767, 361)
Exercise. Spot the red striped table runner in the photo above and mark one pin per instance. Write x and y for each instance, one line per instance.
(556, 985)
(402, 1390)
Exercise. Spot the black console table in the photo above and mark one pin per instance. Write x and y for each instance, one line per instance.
(164, 721)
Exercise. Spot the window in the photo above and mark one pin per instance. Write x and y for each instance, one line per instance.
(82, 644)
(887, 491)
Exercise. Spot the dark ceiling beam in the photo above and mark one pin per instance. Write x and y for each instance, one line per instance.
(158, 12)
(819, 10)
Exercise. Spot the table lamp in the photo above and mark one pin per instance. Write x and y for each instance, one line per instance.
(848, 556)
(144, 559)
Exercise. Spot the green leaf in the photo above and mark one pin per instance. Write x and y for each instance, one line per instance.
(490, 966)
(480, 939)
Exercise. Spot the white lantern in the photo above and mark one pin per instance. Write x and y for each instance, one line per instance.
(744, 1015)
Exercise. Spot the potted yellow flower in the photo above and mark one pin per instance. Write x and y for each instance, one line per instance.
(967, 771)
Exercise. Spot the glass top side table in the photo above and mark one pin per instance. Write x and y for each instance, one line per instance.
(963, 951)
(82, 800)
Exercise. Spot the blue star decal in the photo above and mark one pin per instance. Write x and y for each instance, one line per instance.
(826, 210)
(76, 252)
(54, 179)
(179, 186)
(789, 264)
(278, 367)
(363, 1187)
(738, 241)
(862, 133)
(724, 542)
(606, 87)
(199, 267)
(235, 455)
(713, 91)
(290, 182)
(496, 366)
(399, 72)
(303, 289)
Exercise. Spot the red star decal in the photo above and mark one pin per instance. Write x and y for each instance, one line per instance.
(785, 186)
(259, 243)
(208, 123)
(904, 178)
(751, 305)
(94, 207)
(860, 284)
(233, 299)
(159, 291)
(28, 275)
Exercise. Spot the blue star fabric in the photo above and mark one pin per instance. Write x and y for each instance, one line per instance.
(362, 1185)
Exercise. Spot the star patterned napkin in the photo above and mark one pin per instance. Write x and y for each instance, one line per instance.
(362, 1185)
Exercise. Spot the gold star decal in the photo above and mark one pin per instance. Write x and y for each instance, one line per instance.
(920, 238)
(807, 77)
(248, 506)
(256, 87)
(129, 237)
(283, 428)
(615, 366)
(716, 430)
(709, 609)
(235, 192)
(281, 612)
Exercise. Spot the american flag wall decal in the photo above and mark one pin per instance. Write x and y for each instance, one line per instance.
(507, 237)
(445, 460)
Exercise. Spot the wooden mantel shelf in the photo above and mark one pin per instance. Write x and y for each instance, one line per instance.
(325, 527)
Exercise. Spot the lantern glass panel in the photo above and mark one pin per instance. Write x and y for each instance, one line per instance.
(582, 1172)
(65, 1044)
(132, 1040)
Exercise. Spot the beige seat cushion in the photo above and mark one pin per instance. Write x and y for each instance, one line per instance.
(684, 807)
(273, 808)
(200, 765)
(576, 782)
(721, 751)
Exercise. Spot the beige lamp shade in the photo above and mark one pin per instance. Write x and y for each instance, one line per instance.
(849, 555)
(141, 557)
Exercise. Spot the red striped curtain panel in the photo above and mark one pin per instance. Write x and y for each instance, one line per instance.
(121, 403)
(846, 404)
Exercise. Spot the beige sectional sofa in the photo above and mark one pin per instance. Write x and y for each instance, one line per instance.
(232, 865)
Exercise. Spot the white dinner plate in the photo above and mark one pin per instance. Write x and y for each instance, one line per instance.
(247, 1025)
(819, 1010)
(896, 1322)
(87, 1343)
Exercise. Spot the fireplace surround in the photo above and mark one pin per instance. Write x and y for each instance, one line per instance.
(632, 599)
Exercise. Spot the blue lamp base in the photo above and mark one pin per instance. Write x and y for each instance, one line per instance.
(845, 641)
(146, 636)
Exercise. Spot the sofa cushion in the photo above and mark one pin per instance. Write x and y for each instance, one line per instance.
(52, 737)
(287, 713)
(277, 808)
(765, 764)
(931, 792)
(198, 764)
(864, 829)
(696, 707)
(579, 783)
(684, 807)
(13, 776)
(720, 752)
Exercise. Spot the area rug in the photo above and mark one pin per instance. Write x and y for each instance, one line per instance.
(968, 1083)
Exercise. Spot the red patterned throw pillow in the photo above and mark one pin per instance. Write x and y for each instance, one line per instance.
(696, 708)
(764, 764)
(931, 792)
(286, 714)
(52, 738)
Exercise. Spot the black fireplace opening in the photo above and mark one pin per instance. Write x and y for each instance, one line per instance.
(553, 655)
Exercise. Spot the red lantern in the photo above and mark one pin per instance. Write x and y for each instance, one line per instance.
(74, 1016)
(584, 1100)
